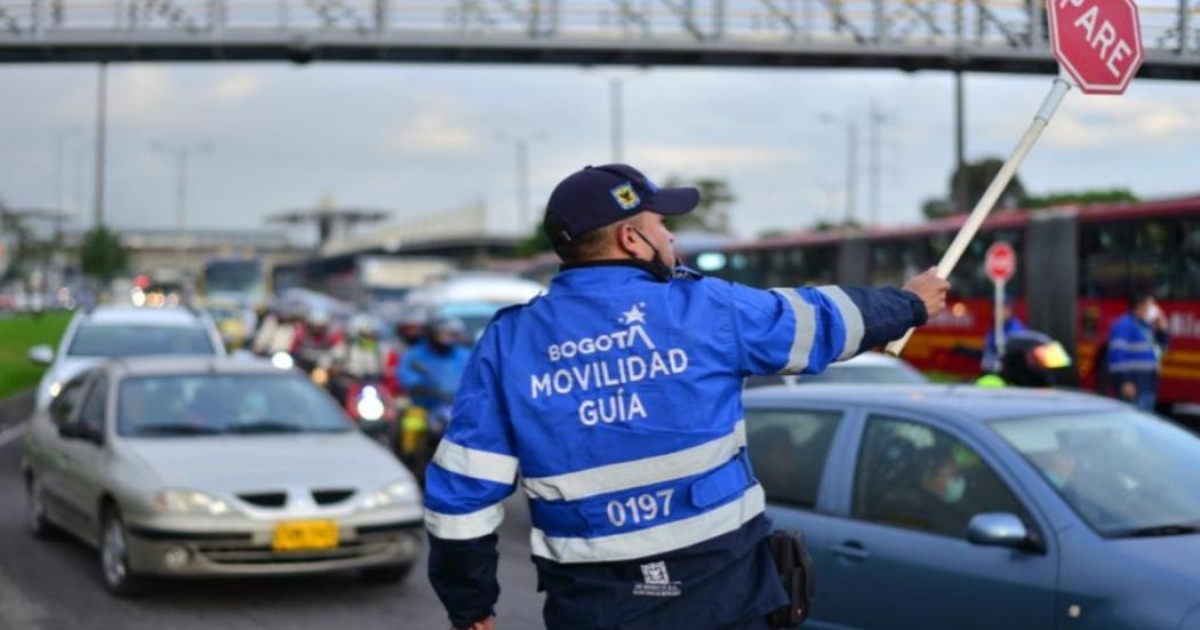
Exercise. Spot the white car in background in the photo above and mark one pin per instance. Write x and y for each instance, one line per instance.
(123, 331)
(185, 467)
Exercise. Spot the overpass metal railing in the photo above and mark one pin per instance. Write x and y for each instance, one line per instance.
(1014, 29)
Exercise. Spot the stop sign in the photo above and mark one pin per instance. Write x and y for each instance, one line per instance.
(1099, 42)
(1001, 262)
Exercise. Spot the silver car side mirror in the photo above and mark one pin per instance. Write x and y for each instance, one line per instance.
(42, 354)
(998, 529)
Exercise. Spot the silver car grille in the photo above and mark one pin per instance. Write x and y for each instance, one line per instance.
(321, 496)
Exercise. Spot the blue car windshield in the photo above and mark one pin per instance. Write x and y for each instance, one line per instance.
(212, 404)
(110, 340)
(1125, 473)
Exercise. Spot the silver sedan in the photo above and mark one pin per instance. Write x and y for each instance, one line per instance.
(190, 467)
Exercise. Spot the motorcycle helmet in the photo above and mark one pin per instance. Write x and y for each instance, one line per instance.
(1034, 359)
(362, 325)
(444, 332)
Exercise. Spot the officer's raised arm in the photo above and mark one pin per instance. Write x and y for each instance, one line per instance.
(474, 470)
(803, 330)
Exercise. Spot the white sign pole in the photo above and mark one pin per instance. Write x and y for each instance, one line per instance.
(993, 192)
(999, 318)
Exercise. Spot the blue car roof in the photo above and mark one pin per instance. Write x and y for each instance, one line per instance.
(956, 401)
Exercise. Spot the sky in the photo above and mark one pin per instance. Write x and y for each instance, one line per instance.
(423, 139)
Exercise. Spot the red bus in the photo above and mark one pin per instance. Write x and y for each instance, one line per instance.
(1078, 267)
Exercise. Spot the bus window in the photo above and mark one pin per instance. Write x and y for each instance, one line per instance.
(1153, 255)
(1187, 272)
(1104, 259)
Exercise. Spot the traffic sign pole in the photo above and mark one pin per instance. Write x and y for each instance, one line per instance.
(992, 194)
(999, 311)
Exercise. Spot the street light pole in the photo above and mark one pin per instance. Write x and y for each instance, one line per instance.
(851, 160)
(101, 124)
(617, 123)
(180, 153)
(522, 147)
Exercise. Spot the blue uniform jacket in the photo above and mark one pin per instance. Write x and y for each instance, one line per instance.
(991, 361)
(617, 398)
(423, 367)
(1135, 352)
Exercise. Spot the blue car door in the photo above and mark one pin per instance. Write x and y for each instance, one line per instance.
(899, 556)
(790, 449)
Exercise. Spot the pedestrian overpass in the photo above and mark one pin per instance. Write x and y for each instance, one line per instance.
(969, 35)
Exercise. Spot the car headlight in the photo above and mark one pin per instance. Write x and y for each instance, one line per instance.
(369, 406)
(54, 389)
(190, 502)
(391, 494)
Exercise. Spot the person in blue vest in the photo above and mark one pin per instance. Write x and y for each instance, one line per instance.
(615, 398)
(991, 363)
(1136, 343)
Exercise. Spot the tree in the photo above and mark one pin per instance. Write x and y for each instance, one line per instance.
(977, 177)
(712, 215)
(102, 255)
(1083, 197)
(825, 226)
(535, 243)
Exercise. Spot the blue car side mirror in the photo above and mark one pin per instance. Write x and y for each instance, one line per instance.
(998, 529)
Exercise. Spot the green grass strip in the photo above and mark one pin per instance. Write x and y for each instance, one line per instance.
(18, 334)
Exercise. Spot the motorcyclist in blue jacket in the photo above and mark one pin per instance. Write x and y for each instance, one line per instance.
(431, 370)
(617, 398)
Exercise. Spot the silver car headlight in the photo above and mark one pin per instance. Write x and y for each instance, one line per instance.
(54, 389)
(190, 502)
(396, 492)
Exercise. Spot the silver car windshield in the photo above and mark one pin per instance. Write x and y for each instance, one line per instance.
(110, 340)
(212, 404)
(1128, 474)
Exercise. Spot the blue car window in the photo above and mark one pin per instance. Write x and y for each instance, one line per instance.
(788, 449)
(914, 476)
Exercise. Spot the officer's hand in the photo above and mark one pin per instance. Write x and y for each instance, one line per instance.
(931, 289)
(1128, 390)
(486, 624)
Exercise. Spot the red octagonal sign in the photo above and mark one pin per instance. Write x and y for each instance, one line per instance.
(1000, 262)
(1099, 42)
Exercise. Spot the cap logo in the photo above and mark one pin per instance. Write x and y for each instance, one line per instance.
(625, 196)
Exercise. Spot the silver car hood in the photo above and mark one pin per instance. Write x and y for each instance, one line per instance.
(240, 463)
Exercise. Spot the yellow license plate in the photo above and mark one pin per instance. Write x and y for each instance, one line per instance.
(305, 535)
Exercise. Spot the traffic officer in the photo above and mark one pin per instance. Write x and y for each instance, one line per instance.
(617, 397)
(1136, 343)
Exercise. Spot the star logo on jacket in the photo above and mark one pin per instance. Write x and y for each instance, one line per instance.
(625, 196)
(635, 315)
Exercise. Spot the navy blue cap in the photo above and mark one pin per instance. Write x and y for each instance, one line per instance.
(601, 195)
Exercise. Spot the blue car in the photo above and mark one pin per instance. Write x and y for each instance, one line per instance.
(956, 507)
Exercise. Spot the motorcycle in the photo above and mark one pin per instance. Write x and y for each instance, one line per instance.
(421, 431)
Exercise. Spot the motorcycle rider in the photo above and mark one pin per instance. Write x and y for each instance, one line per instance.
(359, 356)
(317, 342)
(430, 372)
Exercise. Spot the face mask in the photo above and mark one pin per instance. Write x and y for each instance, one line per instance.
(658, 265)
(955, 488)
